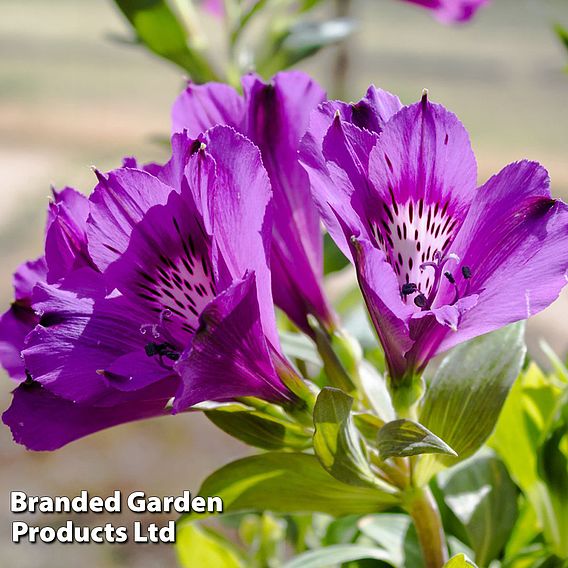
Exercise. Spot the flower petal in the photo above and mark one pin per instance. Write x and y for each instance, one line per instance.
(371, 113)
(15, 324)
(424, 153)
(118, 202)
(229, 356)
(66, 238)
(42, 421)
(26, 277)
(241, 216)
(339, 178)
(166, 269)
(81, 333)
(277, 118)
(201, 107)
(451, 11)
(19, 319)
(515, 242)
(390, 315)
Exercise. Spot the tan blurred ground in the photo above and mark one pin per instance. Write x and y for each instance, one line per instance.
(70, 98)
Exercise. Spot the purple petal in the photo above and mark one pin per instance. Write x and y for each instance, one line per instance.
(277, 118)
(451, 11)
(201, 107)
(120, 201)
(19, 319)
(15, 324)
(42, 421)
(166, 269)
(335, 153)
(339, 179)
(81, 333)
(371, 113)
(515, 242)
(173, 172)
(214, 7)
(241, 216)
(390, 315)
(66, 239)
(229, 356)
(27, 276)
(424, 153)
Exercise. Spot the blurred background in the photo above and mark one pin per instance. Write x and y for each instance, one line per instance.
(72, 97)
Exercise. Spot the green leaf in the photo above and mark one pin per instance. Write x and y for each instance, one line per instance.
(337, 442)
(335, 555)
(289, 483)
(333, 259)
(466, 395)
(557, 364)
(343, 530)
(483, 497)
(525, 531)
(526, 418)
(160, 30)
(260, 431)
(396, 534)
(562, 34)
(374, 387)
(298, 346)
(302, 40)
(459, 561)
(196, 546)
(402, 438)
(265, 537)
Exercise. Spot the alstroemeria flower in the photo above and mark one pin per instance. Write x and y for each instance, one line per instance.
(275, 117)
(451, 11)
(163, 291)
(65, 249)
(438, 261)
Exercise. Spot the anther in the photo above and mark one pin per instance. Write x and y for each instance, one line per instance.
(408, 289)
(420, 300)
(466, 271)
(450, 277)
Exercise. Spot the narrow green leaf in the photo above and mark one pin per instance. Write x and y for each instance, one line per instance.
(483, 497)
(289, 483)
(463, 402)
(562, 34)
(557, 364)
(333, 259)
(402, 438)
(459, 561)
(335, 555)
(266, 432)
(160, 30)
(337, 442)
(523, 425)
(196, 546)
(298, 346)
(303, 40)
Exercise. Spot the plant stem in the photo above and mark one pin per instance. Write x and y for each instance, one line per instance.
(426, 517)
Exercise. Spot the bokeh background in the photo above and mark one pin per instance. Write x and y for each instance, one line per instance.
(72, 96)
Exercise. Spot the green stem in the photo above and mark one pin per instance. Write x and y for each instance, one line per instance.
(426, 517)
(335, 370)
(406, 394)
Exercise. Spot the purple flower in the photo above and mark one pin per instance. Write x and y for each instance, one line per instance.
(438, 261)
(275, 117)
(158, 288)
(451, 11)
